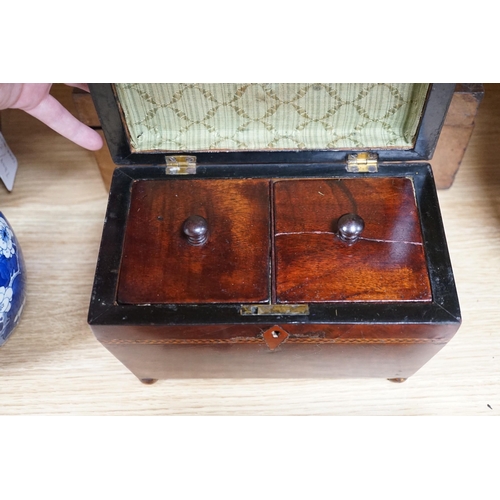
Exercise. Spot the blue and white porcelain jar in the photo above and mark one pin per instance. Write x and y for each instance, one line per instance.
(12, 280)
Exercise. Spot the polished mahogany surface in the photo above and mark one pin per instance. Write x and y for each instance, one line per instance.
(159, 264)
(162, 263)
(240, 351)
(387, 263)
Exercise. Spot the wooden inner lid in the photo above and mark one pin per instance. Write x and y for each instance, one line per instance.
(386, 263)
(160, 266)
(265, 240)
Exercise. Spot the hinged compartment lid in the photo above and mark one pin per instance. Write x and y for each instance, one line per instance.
(270, 123)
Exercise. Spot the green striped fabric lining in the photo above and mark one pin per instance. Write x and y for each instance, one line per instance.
(270, 116)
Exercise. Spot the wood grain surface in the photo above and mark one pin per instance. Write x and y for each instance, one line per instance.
(246, 351)
(313, 265)
(54, 365)
(159, 266)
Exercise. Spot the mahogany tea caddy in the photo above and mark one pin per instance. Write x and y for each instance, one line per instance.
(272, 263)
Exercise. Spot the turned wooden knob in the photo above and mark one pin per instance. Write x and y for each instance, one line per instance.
(196, 230)
(350, 227)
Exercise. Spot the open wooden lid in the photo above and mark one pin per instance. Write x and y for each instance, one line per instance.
(270, 123)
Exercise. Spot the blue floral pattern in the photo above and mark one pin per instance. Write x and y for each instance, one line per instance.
(12, 280)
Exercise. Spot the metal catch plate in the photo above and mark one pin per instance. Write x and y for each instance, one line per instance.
(275, 310)
(362, 162)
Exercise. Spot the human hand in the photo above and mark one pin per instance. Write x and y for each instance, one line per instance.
(34, 98)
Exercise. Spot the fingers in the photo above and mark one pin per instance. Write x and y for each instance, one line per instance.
(81, 86)
(58, 118)
(9, 93)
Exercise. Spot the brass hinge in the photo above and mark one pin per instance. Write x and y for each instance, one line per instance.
(362, 162)
(180, 165)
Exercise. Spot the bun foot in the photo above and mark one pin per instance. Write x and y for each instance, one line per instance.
(396, 380)
(148, 381)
